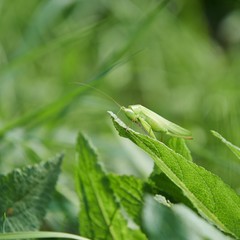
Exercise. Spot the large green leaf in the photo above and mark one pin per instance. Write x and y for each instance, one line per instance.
(213, 199)
(161, 184)
(100, 215)
(25, 194)
(179, 146)
(233, 148)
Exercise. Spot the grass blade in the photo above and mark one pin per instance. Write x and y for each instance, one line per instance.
(30, 235)
(233, 148)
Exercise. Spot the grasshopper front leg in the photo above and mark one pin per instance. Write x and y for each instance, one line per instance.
(146, 126)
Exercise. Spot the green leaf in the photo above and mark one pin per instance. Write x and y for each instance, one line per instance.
(179, 146)
(160, 222)
(213, 199)
(100, 215)
(30, 235)
(25, 194)
(129, 190)
(159, 183)
(233, 148)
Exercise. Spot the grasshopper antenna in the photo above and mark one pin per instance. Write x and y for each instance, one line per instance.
(101, 92)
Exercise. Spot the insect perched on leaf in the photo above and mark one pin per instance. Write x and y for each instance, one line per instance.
(149, 120)
(152, 122)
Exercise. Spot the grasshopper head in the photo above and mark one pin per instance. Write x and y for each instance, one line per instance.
(129, 113)
(137, 109)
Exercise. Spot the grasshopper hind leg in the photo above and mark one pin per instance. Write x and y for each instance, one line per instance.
(146, 127)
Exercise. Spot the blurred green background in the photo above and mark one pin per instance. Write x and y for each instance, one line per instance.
(179, 58)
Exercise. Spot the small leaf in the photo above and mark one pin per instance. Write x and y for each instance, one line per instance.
(25, 194)
(233, 148)
(213, 199)
(129, 190)
(100, 215)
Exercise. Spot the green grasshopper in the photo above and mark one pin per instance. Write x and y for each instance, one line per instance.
(152, 122)
(149, 120)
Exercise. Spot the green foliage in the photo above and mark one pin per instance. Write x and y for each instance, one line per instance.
(129, 191)
(100, 215)
(157, 218)
(106, 198)
(160, 183)
(212, 198)
(179, 146)
(25, 194)
(129, 49)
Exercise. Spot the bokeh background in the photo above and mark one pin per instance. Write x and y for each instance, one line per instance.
(179, 58)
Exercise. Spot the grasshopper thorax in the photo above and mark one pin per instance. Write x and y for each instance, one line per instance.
(130, 113)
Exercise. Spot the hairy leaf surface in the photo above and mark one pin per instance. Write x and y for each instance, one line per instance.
(179, 146)
(25, 194)
(161, 184)
(100, 214)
